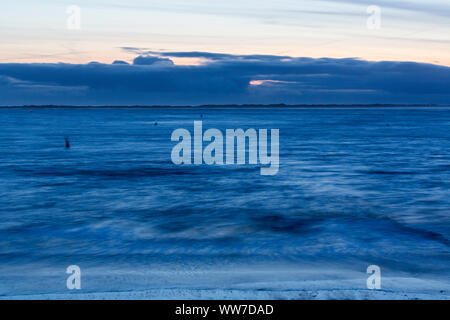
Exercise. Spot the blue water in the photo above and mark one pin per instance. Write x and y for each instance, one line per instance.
(355, 186)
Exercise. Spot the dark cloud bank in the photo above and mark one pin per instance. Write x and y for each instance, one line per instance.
(153, 79)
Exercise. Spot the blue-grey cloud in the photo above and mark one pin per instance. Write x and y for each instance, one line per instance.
(206, 55)
(224, 79)
(151, 60)
(120, 62)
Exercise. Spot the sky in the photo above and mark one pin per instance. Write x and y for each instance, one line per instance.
(234, 51)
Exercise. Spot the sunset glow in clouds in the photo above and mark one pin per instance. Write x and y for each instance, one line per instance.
(179, 52)
(416, 30)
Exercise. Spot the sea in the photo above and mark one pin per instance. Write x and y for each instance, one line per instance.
(356, 187)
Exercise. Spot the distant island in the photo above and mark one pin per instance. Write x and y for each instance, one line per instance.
(281, 105)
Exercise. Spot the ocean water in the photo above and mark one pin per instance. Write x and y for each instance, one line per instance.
(355, 187)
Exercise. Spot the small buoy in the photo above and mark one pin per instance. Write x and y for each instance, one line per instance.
(67, 143)
(156, 123)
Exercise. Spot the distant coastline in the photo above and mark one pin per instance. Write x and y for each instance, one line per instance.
(217, 106)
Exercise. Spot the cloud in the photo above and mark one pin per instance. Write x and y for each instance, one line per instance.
(153, 79)
(152, 60)
(120, 62)
(205, 55)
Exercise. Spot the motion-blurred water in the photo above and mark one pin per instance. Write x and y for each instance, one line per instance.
(355, 185)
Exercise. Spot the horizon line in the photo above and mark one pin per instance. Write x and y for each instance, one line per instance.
(272, 105)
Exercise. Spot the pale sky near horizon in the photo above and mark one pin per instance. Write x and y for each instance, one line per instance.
(32, 31)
